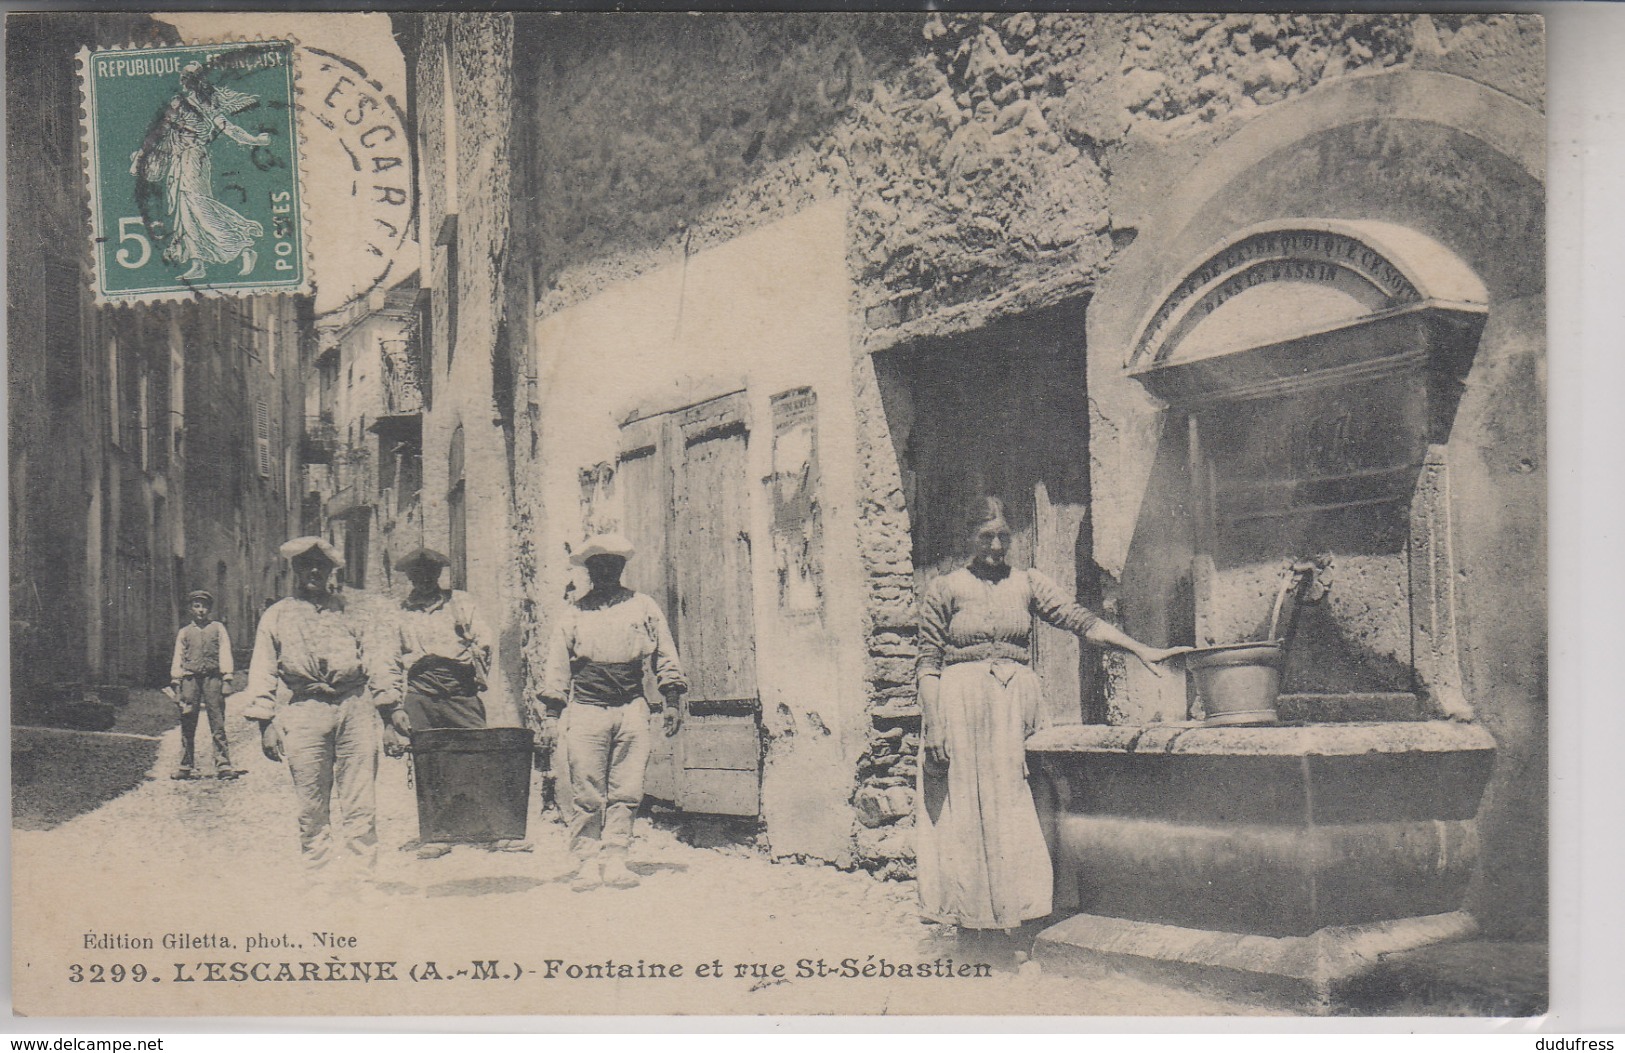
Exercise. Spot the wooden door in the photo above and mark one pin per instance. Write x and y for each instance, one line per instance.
(643, 479)
(683, 478)
(720, 745)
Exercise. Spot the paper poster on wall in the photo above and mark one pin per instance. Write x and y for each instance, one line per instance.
(798, 522)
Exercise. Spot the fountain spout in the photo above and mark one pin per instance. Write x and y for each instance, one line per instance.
(1306, 581)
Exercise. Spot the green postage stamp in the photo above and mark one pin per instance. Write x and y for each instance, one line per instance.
(193, 159)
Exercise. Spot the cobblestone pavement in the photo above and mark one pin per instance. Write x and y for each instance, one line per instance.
(219, 859)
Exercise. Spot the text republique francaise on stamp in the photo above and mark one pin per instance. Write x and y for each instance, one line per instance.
(193, 158)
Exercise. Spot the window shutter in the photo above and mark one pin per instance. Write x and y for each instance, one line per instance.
(275, 436)
(262, 437)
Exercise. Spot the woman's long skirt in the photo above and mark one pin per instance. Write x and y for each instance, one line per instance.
(983, 863)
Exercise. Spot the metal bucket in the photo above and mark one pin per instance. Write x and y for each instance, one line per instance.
(473, 784)
(1238, 682)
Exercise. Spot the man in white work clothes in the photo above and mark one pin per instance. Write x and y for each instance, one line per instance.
(595, 669)
(328, 731)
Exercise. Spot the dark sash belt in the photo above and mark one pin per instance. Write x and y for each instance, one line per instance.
(440, 677)
(305, 690)
(606, 683)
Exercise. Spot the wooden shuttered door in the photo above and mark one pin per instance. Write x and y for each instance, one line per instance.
(721, 743)
(683, 477)
(644, 479)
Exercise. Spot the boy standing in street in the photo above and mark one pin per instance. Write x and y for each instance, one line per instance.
(197, 675)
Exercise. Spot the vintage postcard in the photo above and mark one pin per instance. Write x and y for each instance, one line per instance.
(883, 513)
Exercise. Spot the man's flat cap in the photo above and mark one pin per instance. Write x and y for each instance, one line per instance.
(603, 545)
(422, 557)
(301, 546)
(201, 594)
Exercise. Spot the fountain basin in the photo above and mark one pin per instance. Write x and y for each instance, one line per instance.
(1296, 842)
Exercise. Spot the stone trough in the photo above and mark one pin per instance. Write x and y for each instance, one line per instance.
(1277, 864)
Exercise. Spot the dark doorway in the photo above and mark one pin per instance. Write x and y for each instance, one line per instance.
(1004, 411)
(357, 541)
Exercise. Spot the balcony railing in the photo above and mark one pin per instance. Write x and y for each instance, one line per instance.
(402, 394)
(320, 440)
(352, 479)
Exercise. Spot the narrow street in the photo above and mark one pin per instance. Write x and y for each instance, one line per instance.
(222, 861)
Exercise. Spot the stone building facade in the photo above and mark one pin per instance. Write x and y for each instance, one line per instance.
(817, 280)
(467, 386)
(238, 474)
(148, 445)
(362, 461)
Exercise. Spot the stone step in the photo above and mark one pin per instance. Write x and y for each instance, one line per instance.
(1313, 974)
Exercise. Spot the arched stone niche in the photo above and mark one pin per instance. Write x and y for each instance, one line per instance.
(1430, 153)
(1316, 365)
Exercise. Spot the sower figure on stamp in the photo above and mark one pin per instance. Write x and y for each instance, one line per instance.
(439, 665)
(595, 669)
(328, 730)
(202, 228)
(197, 674)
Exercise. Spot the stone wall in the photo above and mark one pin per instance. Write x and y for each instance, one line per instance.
(236, 354)
(464, 263)
(977, 145)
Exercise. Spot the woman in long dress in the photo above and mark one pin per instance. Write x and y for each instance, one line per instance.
(202, 228)
(983, 864)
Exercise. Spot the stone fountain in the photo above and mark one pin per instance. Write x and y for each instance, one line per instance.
(1314, 367)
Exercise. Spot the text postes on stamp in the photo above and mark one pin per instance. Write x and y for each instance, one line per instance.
(194, 170)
